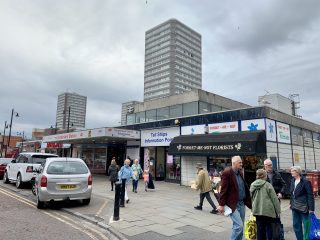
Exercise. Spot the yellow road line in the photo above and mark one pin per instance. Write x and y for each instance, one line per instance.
(91, 229)
(101, 208)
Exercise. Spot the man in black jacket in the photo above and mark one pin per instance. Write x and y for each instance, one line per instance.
(275, 178)
(278, 184)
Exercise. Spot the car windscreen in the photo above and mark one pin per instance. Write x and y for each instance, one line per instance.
(40, 159)
(69, 168)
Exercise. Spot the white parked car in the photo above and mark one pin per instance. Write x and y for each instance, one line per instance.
(62, 179)
(21, 169)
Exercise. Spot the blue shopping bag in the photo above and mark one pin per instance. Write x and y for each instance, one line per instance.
(314, 232)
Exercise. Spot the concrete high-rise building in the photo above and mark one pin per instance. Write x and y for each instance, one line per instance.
(172, 60)
(71, 111)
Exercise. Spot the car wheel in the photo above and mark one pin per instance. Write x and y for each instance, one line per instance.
(40, 204)
(19, 181)
(5, 178)
(86, 201)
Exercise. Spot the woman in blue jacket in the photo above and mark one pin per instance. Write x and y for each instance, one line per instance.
(124, 175)
(302, 201)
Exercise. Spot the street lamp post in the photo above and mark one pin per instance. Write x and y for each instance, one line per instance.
(17, 115)
(4, 136)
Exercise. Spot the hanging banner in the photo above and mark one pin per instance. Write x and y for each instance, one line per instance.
(223, 127)
(191, 130)
(253, 125)
(283, 133)
(271, 130)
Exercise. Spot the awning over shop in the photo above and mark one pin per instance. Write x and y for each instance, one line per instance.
(234, 143)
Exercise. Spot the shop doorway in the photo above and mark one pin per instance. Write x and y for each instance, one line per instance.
(250, 165)
(155, 159)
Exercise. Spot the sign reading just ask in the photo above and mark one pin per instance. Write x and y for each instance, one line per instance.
(223, 127)
(158, 137)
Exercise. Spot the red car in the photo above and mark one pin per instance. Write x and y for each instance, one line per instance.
(3, 165)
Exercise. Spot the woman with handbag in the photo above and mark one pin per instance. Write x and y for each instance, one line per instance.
(265, 205)
(302, 201)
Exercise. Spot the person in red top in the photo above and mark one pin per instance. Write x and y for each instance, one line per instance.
(236, 195)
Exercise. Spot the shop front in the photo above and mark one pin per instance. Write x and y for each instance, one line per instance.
(96, 146)
(155, 145)
(216, 150)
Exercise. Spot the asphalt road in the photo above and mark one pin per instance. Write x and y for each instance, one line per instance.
(20, 219)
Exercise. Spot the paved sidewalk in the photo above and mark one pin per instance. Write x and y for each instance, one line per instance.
(168, 213)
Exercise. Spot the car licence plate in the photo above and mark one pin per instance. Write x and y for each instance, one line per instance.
(67, 187)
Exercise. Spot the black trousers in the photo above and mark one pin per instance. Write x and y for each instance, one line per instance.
(208, 197)
(264, 228)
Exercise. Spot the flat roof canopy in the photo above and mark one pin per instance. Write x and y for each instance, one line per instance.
(97, 135)
(234, 143)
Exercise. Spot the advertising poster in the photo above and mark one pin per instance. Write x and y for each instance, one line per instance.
(191, 130)
(223, 127)
(283, 133)
(271, 130)
(253, 125)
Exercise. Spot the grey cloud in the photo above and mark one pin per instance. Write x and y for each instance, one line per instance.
(267, 27)
(96, 48)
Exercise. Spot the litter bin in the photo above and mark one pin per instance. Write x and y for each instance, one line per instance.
(313, 177)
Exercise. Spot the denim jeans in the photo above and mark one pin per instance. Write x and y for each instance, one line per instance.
(208, 197)
(237, 218)
(299, 218)
(134, 185)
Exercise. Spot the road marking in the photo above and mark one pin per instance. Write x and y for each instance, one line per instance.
(91, 229)
(101, 208)
(58, 217)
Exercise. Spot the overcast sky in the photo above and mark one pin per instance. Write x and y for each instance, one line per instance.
(96, 48)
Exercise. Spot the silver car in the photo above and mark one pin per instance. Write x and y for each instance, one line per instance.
(63, 179)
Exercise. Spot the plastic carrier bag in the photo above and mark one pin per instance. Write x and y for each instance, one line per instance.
(250, 228)
(314, 231)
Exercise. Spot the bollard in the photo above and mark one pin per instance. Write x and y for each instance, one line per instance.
(116, 210)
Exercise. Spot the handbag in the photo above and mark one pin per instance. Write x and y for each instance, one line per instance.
(299, 206)
(277, 229)
(314, 232)
(250, 228)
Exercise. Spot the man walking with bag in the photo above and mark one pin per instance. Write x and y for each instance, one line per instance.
(235, 194)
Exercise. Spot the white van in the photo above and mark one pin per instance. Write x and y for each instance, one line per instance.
(21, 169)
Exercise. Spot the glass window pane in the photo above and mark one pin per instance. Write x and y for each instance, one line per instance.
(140, 117)
(296, 136)
(190, 108)
(215, 108)
(163, 113)
(175, 111)
(204, 107)
(151, 115)
(131, 118)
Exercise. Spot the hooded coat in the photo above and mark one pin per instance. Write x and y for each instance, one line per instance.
(113, 172)
(264, 199)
